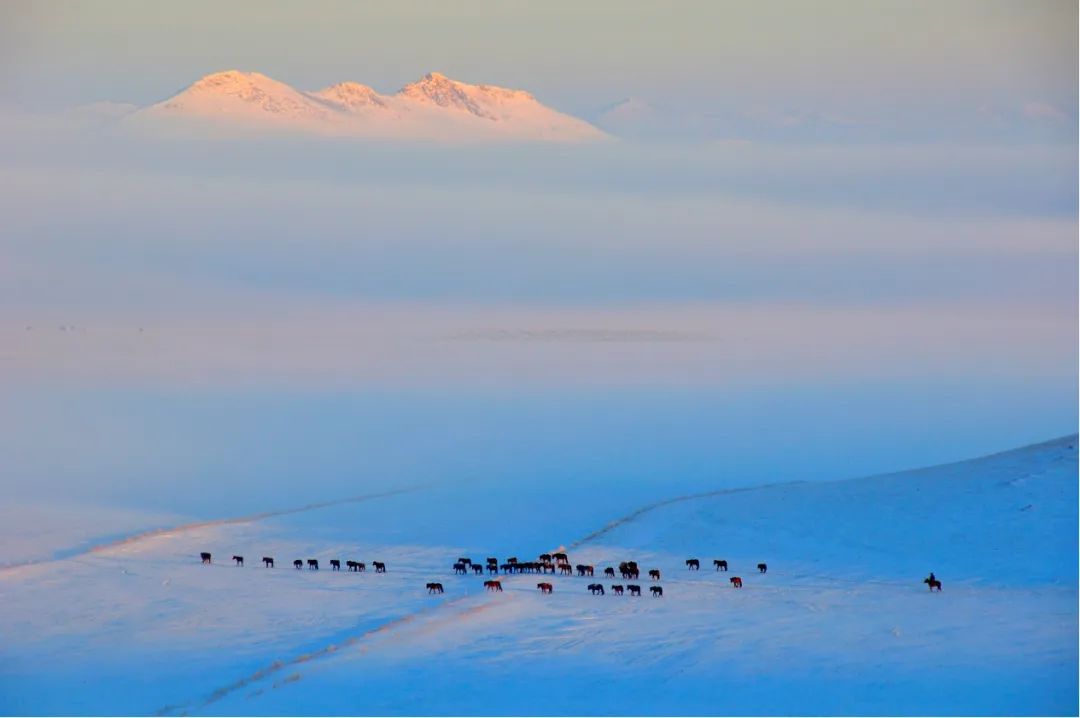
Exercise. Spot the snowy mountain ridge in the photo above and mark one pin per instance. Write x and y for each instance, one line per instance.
(434, 107)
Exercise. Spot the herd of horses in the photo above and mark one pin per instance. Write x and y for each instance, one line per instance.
(552, 563)
(546, 563)
(312, 563)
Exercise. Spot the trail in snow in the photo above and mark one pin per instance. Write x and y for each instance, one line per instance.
(280, 665)
(612, 525)
(77, 551)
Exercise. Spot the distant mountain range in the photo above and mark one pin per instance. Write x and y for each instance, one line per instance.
(434, 107)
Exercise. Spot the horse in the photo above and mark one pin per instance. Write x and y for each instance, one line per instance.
(545, 587)
(736, 582)
(465, 560)
(313, 564)
(268, 561)
(721, 565)
(478, 569)
(239, 560)
(634, 590)
(547, 567)
(564, 568)
(633, 573)
(654, 574)
(692, 564)
(298, 564)
(609, 572)
(762, 568)
(361, 566)
(205, 557)
(560, 557)
(657, 591)
(434, 588)
(459, 568)
(492, 561)
(507, 567)
(350, 565)
(616, 589)
(932, 583)
(493, 569)
(493, 585)
(335, 564)
(545, 557)
(596, 589)
(380, 567)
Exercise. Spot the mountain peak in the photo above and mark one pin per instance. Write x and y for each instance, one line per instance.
(433, 107)
(351, 95)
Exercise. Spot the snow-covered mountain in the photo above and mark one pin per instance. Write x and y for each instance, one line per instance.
(434, 107)
(130, 621)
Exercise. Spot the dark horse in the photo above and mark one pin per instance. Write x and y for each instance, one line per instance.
(205, 557)
(268, 561)
(609, 572)
(692, 564)
(634, 590)
(239, 560)
(335, 564)
(657, 591)
(477, 569)
(762, 568)
(313, 564)
(654, 573)
(298, 563)
(460, 568)
(932, 583)
(721, 565)
(380, 567)
(596, 589)
(434, 588)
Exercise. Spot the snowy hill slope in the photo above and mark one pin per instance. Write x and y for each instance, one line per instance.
(839, 624)
(432, 108)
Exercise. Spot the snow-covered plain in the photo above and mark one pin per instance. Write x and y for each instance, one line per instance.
(840, 624)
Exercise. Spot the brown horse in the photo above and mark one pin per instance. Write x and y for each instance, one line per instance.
(654, 574)
(545, 587)
(493, 585)
(736, 582)
(616, 589)
(434, 588)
